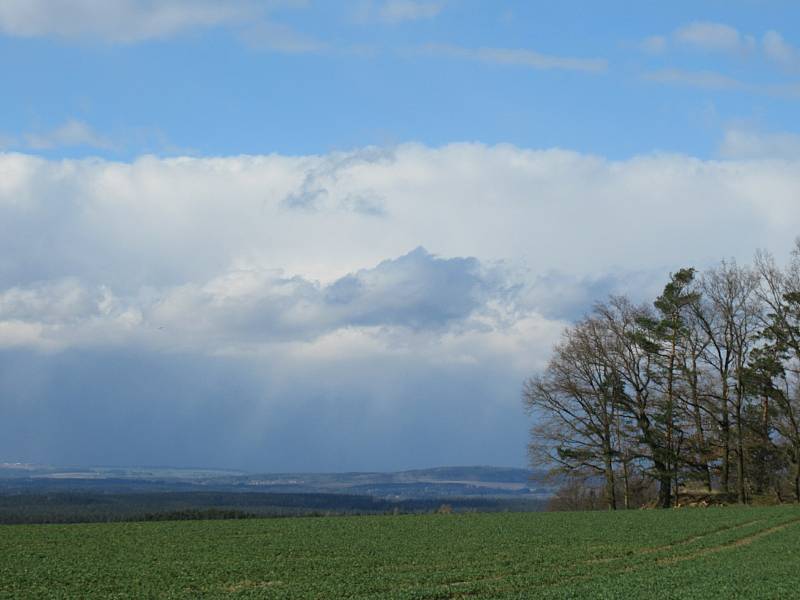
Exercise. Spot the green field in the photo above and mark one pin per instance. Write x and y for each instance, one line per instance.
(688, 553)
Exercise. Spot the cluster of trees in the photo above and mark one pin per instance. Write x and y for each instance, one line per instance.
(698, 392)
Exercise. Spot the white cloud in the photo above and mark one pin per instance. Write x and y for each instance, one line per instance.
(715, 37)
(207, 255)
(780, 51)
(516, 57)
(397, 11)
(743, 143)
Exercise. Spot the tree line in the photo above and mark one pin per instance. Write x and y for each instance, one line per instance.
(696, 393)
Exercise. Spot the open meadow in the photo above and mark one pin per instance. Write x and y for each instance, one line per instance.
(687, 553)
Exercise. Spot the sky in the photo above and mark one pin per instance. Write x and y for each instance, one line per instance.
(287, 235)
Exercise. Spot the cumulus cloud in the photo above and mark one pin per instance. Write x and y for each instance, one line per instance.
(416, 292)
(516, 57)
(249, 309)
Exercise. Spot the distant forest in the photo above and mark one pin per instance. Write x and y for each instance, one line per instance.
(102, 506)
(695, 395)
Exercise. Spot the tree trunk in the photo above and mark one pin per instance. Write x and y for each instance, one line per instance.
(664, 484)
(665, 491)
(726, 441)
(797, 476)
(626, 490)
(797, 487)
(611, 493)
(675, 488)
(672, 467)
(740, 489)
(659, 464)
(702, 452)
(608, 460)
(623, 453)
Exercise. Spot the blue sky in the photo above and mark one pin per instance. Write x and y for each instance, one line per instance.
(311, 77)
(316, 235)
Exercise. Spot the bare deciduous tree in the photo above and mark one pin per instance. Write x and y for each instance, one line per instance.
(703, 386)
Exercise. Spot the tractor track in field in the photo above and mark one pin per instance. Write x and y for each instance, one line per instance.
(632, 568)
(738, 543)
(667, 547)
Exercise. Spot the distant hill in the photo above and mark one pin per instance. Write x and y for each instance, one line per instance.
(437, 482)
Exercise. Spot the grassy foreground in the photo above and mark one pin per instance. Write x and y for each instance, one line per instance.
(689, 553)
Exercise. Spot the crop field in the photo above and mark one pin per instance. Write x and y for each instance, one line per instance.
(687, 553)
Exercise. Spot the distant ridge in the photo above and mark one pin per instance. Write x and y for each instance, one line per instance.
(439, 482)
